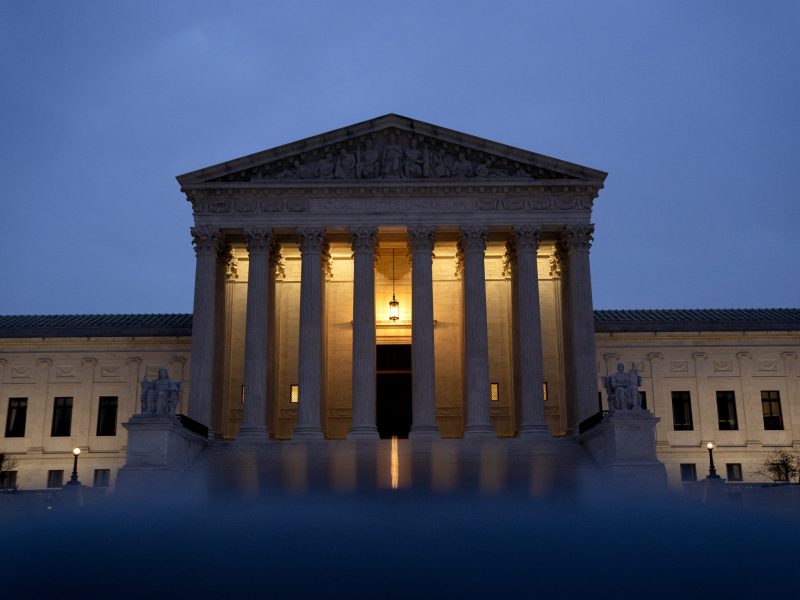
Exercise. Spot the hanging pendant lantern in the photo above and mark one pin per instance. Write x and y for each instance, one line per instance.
(394, 305)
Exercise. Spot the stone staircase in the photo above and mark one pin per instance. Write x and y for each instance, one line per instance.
(538, 467)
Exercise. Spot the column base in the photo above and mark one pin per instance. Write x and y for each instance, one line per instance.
(479, 432)
(363, 432)
(538, 431)
(308, 433)
(424, 432)
(253, 433)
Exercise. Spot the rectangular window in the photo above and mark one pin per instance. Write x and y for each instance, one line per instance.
(682, 411)
(17, 414)
(734, 471)
(55, 479)
(8, 480)
(102, 477)
(643, 396)
(62, 417)
(294, 393)
(494, 391)
(544, 391)
(688, 472)
(771, 408)
(726, 411)
(107, 416)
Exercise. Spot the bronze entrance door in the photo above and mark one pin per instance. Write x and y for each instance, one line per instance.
(393, 394)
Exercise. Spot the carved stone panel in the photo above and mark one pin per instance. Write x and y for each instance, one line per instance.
(390, 154)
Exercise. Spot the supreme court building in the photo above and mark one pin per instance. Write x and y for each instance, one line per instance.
(396, 278)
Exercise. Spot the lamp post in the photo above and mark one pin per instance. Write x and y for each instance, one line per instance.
(74, 479)
(712, 471)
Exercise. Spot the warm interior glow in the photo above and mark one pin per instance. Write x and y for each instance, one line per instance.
(494, 391)
(710, 446)
(76, 451)
(294, 393)
(395, 466)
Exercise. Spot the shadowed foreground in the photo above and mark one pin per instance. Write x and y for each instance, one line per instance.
(397, 544)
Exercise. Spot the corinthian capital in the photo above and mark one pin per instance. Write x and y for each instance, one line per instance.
(578, 237)
(362, 239)
(206, 240)
(421, 239)
(258, 240)
(311, 239)
(526, 238)
(472, 239)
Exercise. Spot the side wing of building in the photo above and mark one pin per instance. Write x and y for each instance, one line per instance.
(727, 377)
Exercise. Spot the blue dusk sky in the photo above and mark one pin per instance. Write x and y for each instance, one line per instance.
(692, 107)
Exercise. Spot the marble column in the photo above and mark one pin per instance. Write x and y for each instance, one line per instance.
(472, 243)
(363, 243)
(528, 330)
(579, 323)
(423, 386)
(312, 243)
(256, 337)
(207, 243)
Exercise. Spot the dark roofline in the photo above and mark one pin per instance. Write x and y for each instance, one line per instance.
(697, 320)
(606, 321)
(49, 326)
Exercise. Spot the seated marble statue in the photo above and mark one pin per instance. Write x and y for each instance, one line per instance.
(161, 396)
(623, 389)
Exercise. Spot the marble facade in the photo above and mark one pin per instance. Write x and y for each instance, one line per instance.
(449, 206)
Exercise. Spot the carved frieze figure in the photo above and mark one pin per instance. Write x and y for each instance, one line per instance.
(623, 389)
(160, 397)
(345, 165)
(368, 165)
(392, 158)
(302, 171)
(414, 160)
(438, 166)
(325, 167)
(462, 167)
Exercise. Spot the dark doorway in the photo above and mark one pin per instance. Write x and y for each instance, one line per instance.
(393, 390)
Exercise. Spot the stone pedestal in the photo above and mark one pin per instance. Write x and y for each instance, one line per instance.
(160, 449)
(624, 445)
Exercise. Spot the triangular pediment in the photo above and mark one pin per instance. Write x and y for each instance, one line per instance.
(390, 148)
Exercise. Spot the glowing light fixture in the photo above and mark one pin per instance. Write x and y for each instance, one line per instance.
(74, 479)
(712, 470)
(294, 393)
(394, 305)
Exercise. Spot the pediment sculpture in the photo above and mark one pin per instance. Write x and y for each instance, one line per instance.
(391, 154)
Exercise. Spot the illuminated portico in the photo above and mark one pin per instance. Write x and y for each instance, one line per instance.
(494, 285)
